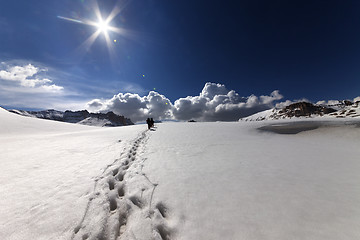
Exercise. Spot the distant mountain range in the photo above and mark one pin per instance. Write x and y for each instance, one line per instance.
(338, 109)
(109, 119)
(335, 109)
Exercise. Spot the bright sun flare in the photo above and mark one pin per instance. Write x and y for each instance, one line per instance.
(103, 26)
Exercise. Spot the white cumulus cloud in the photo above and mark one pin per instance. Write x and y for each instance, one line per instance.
(135, 107)
(27, 76)
(25, 84)
(214, 103)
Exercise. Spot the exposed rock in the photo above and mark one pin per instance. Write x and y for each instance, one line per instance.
(307, 109)
(351, 110)
(115, 120)
(75, 117)
(348, 103)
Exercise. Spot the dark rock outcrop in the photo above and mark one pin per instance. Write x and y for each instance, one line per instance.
(115, 120)
(305, 109)
(348, 103)
(75, 117)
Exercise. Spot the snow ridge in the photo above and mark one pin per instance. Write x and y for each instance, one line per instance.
(342, 109)
(121, 204)
(84, 117)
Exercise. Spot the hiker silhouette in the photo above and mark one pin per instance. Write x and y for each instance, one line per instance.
(148, 121)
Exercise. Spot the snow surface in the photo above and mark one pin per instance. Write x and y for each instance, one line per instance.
(260, 116)
(179, 180)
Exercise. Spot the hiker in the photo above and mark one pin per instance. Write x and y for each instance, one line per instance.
(148, 121)
(152, 122)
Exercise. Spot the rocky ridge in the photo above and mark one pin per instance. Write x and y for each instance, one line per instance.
(341, 109)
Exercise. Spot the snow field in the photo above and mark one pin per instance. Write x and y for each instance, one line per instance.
(232, 181)
(48, 172)
(181, 181)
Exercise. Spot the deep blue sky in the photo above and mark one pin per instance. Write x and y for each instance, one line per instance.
(305, 49)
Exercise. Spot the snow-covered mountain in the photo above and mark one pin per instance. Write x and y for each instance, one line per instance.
(109, 119)
(347, 110)
(338, 109)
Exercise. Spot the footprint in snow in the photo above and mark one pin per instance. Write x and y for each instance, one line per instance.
(163, 210)
(115, 171)
(136, 201)
(121, 191)
(111, 183)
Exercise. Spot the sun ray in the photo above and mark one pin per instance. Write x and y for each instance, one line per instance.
(110, 47)
(88, 42)
(85, 46)
(70, 19)
(97, 10)
(117, 9)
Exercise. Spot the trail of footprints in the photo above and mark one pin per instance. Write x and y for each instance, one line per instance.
(114, 214)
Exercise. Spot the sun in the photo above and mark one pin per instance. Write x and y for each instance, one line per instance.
(103, 26)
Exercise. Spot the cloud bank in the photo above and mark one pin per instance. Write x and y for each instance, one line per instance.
(214, 103)
(135, 107)
(27, 76)
(25, 84)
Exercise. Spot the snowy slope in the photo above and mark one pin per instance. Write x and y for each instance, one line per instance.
(48, 170)
(180, 180)
(13, 124)
(351, 111)
(260, 116)
(341, 110)
(109, 119)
